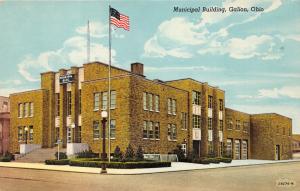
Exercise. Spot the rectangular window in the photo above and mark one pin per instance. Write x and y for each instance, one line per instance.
(69, 102)
(157, 131)
(20, 110)
(210, 147)
(210, 101)
(221, 125)
(238, 125)
(113, 98)
(196, 98)
(24, 110)
(156, 103)
(31, 133)
(31, 110)
(96, 130)
(183, 120)
(174, 107)
(221, 105)
(174, 132)
(20, 134)
(229, 147)
(229, 124)
(79, 101)
(150, 102)
(183, 148)
(79, 134)
(169, 132)
(209, 123)
(57, 104)
(150, 127)
(196, 121)
(145, 101)
(104, 100)
(69, 135)
(245, 127)
(169, 106)
(26, 107)
(96, 101)
(145, 130)
(57, 133)
(112, 128)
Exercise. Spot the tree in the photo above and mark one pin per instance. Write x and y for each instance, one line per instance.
(129, 155)
(118, 155)
(180, 154)
(139, 154)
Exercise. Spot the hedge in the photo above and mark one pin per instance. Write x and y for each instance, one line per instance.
(5, 159)
(57, 162)
(119, 165)
(212, 160)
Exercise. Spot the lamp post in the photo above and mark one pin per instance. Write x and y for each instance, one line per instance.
(26, 134)
(72, 133)
(103, 155)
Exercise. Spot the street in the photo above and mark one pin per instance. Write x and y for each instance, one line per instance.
(261, 177)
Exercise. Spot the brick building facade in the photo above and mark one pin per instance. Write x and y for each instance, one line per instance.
(4, 124)
(153, 114)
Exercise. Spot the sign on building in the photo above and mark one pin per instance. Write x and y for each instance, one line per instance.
(68, 78)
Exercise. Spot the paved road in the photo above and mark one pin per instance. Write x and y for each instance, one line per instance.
(251, 178)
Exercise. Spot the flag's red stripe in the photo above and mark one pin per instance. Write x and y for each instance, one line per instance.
(122, 23)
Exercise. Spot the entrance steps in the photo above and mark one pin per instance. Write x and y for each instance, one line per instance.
(39, 155)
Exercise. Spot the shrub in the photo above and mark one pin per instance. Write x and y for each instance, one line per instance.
(4, 159)
(226, 160)
(61, 155)
(180, 154)
(119, 165)
(57, 162)
(214, 160)
(139, 154)
(87, 154)
(129, 155)
(9, 155)
(118, 155)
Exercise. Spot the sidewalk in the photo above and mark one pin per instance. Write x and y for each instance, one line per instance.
(176, 166)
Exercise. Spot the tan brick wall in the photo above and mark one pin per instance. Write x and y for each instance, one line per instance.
(267, 131)
(39, 121)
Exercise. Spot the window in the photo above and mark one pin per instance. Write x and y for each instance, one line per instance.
(57, 104)
(172, 132)
(79, 101)
(96, 130)
(69, 135)
(20, 110)
(196, 98)
(69, 102)
(196, 121)
(210, 101)
(157, 131)
(169, 106)
(145, 131)
(30, 133)
(221, 125)
(150, 102)
(183, 120)
(245, 127)
(145, 101)
(112, 128)
(238, 125)
(229, 147)
(183, 148)
(96, 101)
(79, 134)
(210, 147)
(174, 107)
(157, 103)
(26, 109)
(229, 124)
(209, 123)
(57, 133)
(31, 109)
(150, 127)
(104, 100)
(221, 105)
(20, 134)
(113, 99)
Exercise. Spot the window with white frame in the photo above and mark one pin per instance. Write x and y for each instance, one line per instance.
(112, 128)
(57, 104)
(196, 121)
(183, 148)
(221, 105)
(221, 125)
(26, 109)
(172, 132)
(31, 133)
(113, 97)
(96, 130)
(150, 102)
(174, 107)
(145, 101)
(196, 98)
(150, 127)
(229, 124)
(245, 127)
(210, 147)
(156, 103)
(229, 147)
(145, 130)
(31, 109)
(210, 101)
(157, 131)
(20, 110)
(20, 133)
(209, 123)
(169, 106)
(104, 100)
(96, 101)
(183, 120)
(238, 125)
(69, 102)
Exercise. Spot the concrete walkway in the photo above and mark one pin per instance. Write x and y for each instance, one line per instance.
(176, 166)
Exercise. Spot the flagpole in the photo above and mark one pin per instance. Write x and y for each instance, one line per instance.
(109, 83)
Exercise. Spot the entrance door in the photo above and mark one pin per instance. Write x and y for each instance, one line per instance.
(244, 150)
(196, 148)
(277, 152)
(237, 149)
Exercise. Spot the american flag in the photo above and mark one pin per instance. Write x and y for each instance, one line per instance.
(118, 19)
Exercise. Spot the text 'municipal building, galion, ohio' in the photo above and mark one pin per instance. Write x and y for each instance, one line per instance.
(156, 115)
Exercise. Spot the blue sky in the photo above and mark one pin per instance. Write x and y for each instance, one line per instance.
(253, 56)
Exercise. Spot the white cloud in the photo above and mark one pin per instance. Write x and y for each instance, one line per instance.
(295, 37)
(182, 68)
(286, 91)
(97, 29)
(10, 82)
(7, 91)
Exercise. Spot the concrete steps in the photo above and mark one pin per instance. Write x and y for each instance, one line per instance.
(39, 155)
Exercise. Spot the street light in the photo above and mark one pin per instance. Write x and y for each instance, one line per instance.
(73, 130)
(26, 134)
(103, 155)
